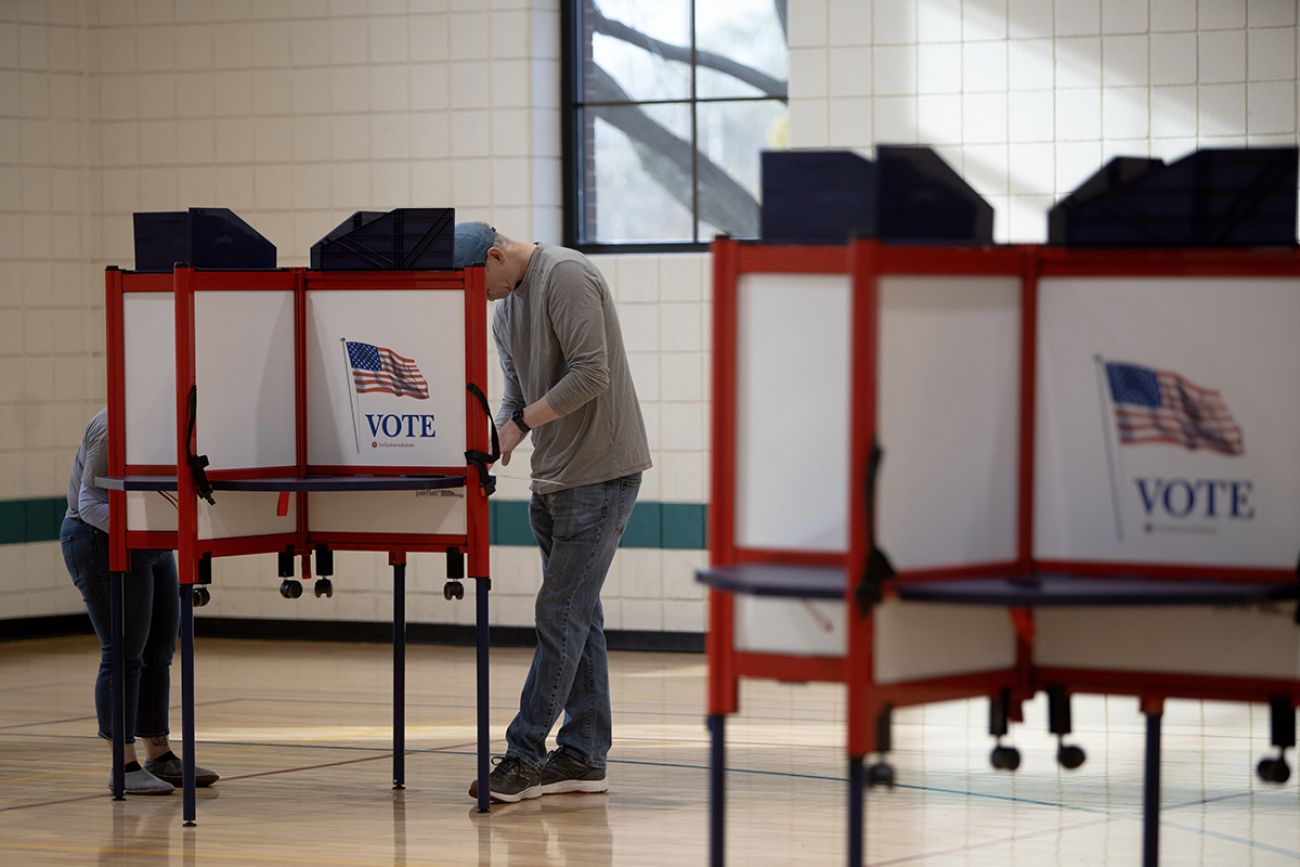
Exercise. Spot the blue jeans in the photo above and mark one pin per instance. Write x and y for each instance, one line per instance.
(151, 616)
(578, 531)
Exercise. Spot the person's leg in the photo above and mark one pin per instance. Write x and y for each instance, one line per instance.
(155, 671)
(521, 738)
(578, 530)
(85, 553)
(155, 676)
(514, 778)
(587, 729)
(578, 765)
(543, 527)
(587, 716)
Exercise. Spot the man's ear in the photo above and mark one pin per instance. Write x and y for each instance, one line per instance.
(496, 253)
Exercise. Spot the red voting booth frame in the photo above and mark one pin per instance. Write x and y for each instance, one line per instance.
(865, 262)
(183, 283)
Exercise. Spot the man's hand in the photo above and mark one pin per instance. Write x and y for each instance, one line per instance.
(508, 435)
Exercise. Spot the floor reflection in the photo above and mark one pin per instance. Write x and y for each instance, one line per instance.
(558, 829)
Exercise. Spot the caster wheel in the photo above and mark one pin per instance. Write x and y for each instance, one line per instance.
(453, 590)
(1070, 757)
(880, 774)
(290, 589)
(1005, 758)
(323, 587)
(201, 597)
(1273, 770)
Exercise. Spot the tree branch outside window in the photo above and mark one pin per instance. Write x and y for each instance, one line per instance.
(671, 104)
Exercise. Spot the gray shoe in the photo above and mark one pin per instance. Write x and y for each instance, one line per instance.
(510, 781)
(169, 770)
(142, 782)
(566, 771)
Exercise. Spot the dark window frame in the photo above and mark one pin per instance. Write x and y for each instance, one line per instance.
(573, 164)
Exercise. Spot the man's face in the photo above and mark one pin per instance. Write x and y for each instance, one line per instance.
(496, 274)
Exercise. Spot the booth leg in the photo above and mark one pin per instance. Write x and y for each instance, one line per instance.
(1059, 723)
(117, 665)
(187, 705)
(1002, 758)
(857, 810)
(1151, 791)
(481, 589)
(1282, 735)
(717, 789)
(399, 675)
(881, 773)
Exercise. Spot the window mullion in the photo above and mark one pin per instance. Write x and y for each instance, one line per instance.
(695, 140)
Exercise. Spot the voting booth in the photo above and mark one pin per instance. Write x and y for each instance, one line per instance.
(1075, 491)
(946, 471)
(298, 413)
(816, 348)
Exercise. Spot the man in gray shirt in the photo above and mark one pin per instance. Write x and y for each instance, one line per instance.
(567, 382)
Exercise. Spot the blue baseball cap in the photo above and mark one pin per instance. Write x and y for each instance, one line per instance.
(472, 242)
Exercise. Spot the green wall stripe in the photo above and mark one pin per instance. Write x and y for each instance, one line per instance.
(675, 526)
(34, 520)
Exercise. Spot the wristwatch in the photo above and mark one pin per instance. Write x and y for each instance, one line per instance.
(518, 418)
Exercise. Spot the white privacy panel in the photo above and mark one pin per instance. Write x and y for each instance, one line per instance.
(792, 411)
(1168, 421)
(245, 513)
(802, 627)
(236, 514)
(433, 512)
(386, 378)
(244, 372)
(1200, 640)
(149, 360)
(151, 510)
(919, 640)
(949, 380)
(975, 638)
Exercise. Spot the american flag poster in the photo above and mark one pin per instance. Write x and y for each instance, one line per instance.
(378, 368)
(386, 377)
(1160, 406)
(1166, 420)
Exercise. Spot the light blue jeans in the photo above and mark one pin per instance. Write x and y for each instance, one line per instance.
(578, 531)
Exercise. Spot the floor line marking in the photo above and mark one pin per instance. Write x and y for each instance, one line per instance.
(216, 856)
(458, 749)
(987, 843)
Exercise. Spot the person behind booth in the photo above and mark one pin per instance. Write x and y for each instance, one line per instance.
(567, 382)
(151, 621)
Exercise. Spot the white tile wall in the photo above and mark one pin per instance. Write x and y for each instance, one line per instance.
(45, 260)
(297, 112)
(1059, 85)
(291, 113)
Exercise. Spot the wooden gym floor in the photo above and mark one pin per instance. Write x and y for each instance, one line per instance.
(300, 733)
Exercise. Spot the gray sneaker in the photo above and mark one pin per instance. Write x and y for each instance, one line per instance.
(168, 768)
(510, 781)
(141, 782)
(566, 771)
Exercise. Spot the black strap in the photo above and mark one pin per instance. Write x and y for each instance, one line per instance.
(1297, 605)
(481, 460)
(197, 463)
(878, 569)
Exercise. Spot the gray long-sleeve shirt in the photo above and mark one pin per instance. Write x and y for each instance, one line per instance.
(85, 500)
(558, 336)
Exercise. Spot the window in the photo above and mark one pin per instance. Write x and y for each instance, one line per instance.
(667, 105)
